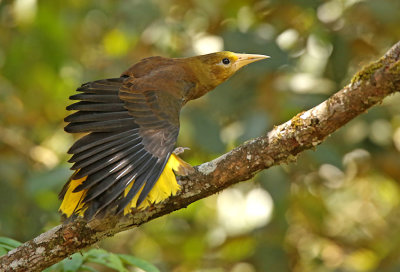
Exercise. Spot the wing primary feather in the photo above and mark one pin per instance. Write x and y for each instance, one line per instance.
(94, 106)
(111, 84)
(119, 188)
(97, 177)
(98, 189)
(104, 162)
(113, 90)
(113, 193)
(103, 126)
(83, 116)
(106, 98)
(104, 147)
(98, 138)
(137, 185)
(114, 79)
(152, 180)
(127, 148)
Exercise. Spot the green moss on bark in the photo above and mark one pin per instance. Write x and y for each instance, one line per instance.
(366, 72)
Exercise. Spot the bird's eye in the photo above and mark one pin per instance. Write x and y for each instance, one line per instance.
(226, 61)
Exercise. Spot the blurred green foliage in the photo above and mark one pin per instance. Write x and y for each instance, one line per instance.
(79, 261)
(336, 209)
(101, 259)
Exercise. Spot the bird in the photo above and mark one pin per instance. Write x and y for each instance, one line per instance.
(126, 159)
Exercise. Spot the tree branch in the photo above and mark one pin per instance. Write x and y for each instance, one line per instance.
(281, 145)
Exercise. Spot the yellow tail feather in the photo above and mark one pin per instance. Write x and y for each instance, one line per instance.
(165, 187)
(73, 201)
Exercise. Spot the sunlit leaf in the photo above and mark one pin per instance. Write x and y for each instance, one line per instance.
(8, 242)
(142, 264)
(73, 263)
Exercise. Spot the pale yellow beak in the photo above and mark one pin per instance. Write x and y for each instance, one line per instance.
(244, 59)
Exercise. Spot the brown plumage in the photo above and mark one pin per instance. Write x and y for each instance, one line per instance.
(126, 161)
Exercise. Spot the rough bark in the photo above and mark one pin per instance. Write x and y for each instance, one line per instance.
(281, 145)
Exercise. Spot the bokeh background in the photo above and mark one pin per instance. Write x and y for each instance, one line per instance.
(336, 209)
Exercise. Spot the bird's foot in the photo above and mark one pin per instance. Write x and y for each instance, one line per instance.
(180, 150)
(184, 168)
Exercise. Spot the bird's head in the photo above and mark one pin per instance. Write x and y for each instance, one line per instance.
(217, 67)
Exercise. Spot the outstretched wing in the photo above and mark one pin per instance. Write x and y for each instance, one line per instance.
(132, 129)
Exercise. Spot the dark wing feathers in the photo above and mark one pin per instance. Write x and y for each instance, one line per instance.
(107, 98)
(126, 148)
(100, 126)
(99, 188)
(130, 138)
(96, 116)
(91, 106)
(105, 172)
(112, 195)
(97, 139)
(101, 162)
(152, 179)
(146, 171)
(77, 157)
(102, 86)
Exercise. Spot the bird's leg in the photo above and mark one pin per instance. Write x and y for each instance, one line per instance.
(184, 167)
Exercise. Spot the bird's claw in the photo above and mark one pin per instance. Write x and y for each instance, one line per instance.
(180, 150)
